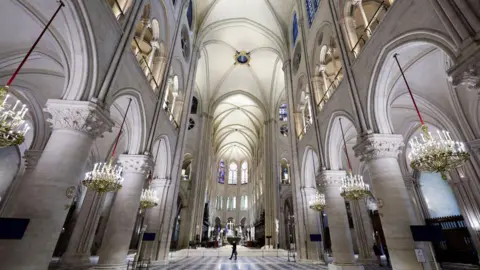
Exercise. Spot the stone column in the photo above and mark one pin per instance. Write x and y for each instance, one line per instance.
(152, 220)
(41, 196)
(342, 246)
(363, 231)
(124, 211)
(313, 225)
(380, 154)
(80, 244)
(358, 3)
(31, 159)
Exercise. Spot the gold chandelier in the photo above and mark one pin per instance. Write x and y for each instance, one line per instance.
(148, 199)
(12, 123)
(353, 187)
(106, 177)
(432, 153)
(318, 202)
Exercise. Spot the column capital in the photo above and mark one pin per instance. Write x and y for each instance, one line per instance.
(31, 158)
(469, 79)
(373, 146)
(140, 164)
(331, 178)
(356, 2)
(83, 116)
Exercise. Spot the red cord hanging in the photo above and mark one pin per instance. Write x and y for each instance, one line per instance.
(121, 128)
(345, 146)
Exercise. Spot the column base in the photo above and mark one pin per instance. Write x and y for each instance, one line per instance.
(334, 266)
(305, 261)
(158, 263)
(75, 260)
(109, 267)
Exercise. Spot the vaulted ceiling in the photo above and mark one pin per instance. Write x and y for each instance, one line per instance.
(241, 96)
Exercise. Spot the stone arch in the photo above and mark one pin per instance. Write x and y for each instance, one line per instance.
(136, 122)
(334, 141)
(162, 158)
(310, 168)
(378, 94)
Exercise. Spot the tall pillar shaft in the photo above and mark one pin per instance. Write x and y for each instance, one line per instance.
(41, 197)
(380, 153)
(80, 244)
(124, 212)
(363, 231)
(313, 225)
(342, 246)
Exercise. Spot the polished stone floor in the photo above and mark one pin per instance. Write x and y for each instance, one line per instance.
(243, 263)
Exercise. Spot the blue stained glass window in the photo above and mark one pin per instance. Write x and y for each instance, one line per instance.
(221, 172)
(312, 7)
(190, 14)
(295, 28)
(283, 113)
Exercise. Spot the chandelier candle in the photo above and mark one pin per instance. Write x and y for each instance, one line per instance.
(433, 154)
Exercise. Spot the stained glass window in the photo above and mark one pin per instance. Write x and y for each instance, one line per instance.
(244, 202)
(312, 7)
(232, 175)
(295, 28)
(283, 114)
(221, 172)
(244, 172)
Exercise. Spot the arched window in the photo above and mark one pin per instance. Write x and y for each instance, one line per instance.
(312, 7)
(282, 112)
(244, 172)
(285, 173)
(193, 109)
(232, 175)
(294, 29)
(190, 14)
(229, 203)
(219, 203)
(221, 172)
(244, 202)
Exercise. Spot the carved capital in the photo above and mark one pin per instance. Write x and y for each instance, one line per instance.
(83, 116)
(331, 178)
(140, 164)
(356, 2)
(31, 158)
(375, 146)
(469, 79)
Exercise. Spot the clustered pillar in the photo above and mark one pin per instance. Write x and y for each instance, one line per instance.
(380, 154)
(41, 197)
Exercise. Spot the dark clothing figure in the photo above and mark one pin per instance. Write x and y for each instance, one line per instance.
(234, 250)
(378, 253)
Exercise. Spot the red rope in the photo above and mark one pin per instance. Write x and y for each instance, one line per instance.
(121, 128)
(409, 91)
(34, 45)
(345, 145)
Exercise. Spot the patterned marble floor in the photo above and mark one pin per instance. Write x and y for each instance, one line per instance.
(243, 263)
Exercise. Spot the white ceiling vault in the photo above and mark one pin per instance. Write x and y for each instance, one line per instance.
(241, 96)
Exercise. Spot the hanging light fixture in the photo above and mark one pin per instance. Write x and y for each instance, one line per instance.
(12, 123)
(353, 187)
(317, 202)
(433, 153)
(148, 199)
(105, 176)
